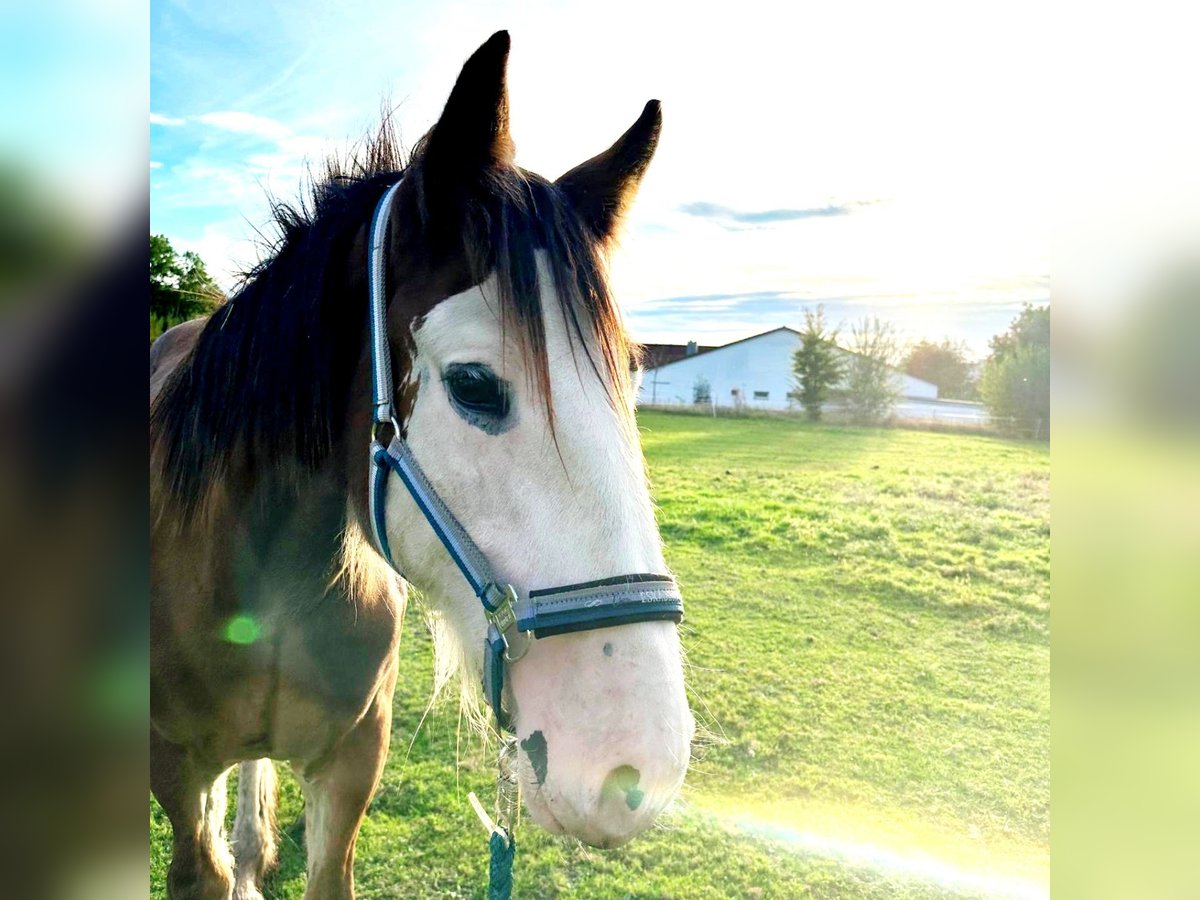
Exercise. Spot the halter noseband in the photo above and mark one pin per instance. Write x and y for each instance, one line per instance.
(512, 618)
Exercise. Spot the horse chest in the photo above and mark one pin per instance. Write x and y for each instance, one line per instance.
(283, 683)
(326, 673)
(317, 662)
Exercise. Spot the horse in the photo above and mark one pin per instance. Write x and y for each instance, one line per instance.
(276, 598)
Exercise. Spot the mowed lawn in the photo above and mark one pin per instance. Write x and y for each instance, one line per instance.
(868, 645)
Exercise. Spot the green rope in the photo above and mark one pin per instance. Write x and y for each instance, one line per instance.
(500, 870)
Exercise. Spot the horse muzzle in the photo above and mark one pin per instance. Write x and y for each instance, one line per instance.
(604, 730)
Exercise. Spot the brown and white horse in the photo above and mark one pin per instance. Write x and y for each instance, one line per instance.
(275, 621)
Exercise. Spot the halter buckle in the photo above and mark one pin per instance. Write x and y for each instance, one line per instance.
(499, 606)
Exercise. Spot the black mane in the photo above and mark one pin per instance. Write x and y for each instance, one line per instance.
(268, 384)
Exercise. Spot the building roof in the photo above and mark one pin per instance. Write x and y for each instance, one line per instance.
(702, 350)
(661, 354)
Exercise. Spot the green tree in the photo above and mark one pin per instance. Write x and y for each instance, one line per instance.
(945, 365)
(180, 286)
(871, 388)
(817, 365)
(1016, 377)
(1030, 329)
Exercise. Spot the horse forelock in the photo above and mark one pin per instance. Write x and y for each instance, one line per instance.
(522, 213)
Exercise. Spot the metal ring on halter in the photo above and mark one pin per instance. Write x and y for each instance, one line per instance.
(375, 426)
(524, 640)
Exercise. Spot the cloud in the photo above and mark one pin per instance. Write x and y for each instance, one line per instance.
(730, 217)
(238, 159)
(169, 121)
(246, 123)
(154, 164)
(226, 249)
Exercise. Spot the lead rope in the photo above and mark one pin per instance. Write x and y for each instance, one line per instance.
(502, 831)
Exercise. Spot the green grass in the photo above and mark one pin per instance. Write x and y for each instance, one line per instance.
(868, 643)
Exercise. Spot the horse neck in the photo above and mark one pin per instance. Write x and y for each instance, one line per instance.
(307, 528)
(263, 537)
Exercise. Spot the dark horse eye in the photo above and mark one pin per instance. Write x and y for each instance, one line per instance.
(478, 394)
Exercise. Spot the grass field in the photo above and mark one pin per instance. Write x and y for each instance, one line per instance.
(868, 639)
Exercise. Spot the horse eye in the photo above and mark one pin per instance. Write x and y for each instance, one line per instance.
(475, 389)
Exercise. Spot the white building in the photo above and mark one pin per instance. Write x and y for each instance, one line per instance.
(753, 372)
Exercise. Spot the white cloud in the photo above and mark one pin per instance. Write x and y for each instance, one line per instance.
(169, 121)
(246, 123)
(154, 164)
(226, 248)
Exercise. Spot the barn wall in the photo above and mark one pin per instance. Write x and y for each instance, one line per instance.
(761, 365)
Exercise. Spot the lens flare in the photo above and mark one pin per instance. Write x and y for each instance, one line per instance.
(892, 844)
(242, 629)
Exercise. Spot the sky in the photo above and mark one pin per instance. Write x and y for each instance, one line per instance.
(879, 159)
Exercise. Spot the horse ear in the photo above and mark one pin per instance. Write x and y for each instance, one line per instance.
(472, 133)
(602, 188)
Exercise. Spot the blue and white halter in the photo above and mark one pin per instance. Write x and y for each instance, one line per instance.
(512, 616)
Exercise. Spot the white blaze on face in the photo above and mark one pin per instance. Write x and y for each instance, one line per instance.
(601, 715)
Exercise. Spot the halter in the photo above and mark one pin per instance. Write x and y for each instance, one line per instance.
(513, 618)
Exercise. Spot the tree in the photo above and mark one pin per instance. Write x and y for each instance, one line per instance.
(701, 391)
(1016, 377)
(1030, 329)
(817, 365)
(180, 286)
(945, 365)
(870, 388)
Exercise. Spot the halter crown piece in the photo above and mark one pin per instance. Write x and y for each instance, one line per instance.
(512, 616)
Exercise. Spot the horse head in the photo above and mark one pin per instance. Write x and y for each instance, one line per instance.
(514, 393)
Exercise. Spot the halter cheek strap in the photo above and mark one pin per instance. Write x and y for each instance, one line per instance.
(512, 618)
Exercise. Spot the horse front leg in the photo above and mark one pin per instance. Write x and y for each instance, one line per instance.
(336, 795)
(193, 797)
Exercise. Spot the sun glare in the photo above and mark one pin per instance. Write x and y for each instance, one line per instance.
(897, 849)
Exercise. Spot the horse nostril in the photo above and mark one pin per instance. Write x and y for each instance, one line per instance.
(623, 780)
